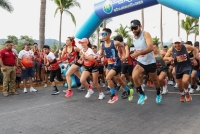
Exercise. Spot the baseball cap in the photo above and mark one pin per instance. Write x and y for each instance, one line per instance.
(135, 23)
(25, 44)
(177, 39)
(84, 40)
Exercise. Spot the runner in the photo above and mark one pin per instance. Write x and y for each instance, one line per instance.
(146, 61)
(90, 67)
(55, 68)
(109, 47)
(183, 66)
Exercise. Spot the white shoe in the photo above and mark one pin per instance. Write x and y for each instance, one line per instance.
(89, 93)
(45, 85)
(164, 90)
(25, 91)
(189, 86)
(198, 88)
(191, 91)
(33, 89)
(169, 82)
(101, 96)
(81, 88)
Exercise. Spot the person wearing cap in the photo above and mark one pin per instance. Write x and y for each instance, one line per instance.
(89, 68)
(55, 70)
(8, 62)
(178, 54)
(26, 57)
(193, 55)
(146, 61)
(110, 49)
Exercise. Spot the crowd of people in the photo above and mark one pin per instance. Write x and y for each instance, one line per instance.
(115, 65)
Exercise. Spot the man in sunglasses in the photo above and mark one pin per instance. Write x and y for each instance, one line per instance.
(146, 61)
(110, 49)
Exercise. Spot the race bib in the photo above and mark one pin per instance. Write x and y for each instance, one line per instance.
(181, 58)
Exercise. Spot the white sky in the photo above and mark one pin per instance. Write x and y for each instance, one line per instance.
(25, 20)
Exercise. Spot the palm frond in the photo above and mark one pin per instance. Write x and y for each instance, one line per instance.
(5, 4)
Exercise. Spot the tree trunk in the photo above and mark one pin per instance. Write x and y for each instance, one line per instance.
(186, 36)
(142, 18)
(98, 42)
(104, 23)
(195, 37)
(178, 24)
(60, 30)
(42, 23)
(161, 28)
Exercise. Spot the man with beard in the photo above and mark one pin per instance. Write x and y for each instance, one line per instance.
(146, 61)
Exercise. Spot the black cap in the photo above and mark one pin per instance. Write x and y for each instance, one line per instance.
(25, 44)
(135, 23)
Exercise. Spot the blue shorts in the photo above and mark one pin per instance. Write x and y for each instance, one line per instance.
(28, 72)
(198, 73)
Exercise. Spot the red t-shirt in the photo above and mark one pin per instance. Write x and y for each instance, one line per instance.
(8, 57)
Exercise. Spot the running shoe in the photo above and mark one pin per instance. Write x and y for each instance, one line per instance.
(142, 99)
(69, 93)
(101, 96)
(130, 96)
(89, 93)
(113, 99)
(182, 98)
(124, 95)
(188, 97)
(55, 92)
(158, 99)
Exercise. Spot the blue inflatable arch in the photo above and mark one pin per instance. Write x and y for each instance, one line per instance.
(111, 8)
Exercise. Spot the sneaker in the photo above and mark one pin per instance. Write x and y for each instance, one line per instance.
(107, 91)
(129, 83)
(25, 91)
(176, 85)
(69, 93)
(130, 96)
(45, 85)
(158, 99)
(5, 94)
(101, 96)
(164, 91)
(55, 92)
(33, 89)
(124, 95)
(117, 88)
(141, 99)
(14, 93)
(191, 91)
(182, 98)
(188, 97)
(171, 83)
(198, 88)
(81, 88)
(189, 86)
(113, 99)
(89, 93)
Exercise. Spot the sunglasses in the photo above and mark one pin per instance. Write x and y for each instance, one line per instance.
(104, 34)
(134, 28)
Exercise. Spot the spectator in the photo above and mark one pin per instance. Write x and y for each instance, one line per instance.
(8, 62)
(26, 57)
(37, 60)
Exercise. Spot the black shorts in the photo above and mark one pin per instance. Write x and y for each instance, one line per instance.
(101, 69)
(56, 73)
(162, 70)
(47, 71)
(196, 67)
(91, 69)
(117, 69)
(151, 68)
(180, 76)
(18, 79)
(78, 64)
(127, 69)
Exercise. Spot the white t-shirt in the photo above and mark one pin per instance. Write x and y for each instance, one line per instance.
(50, 57)
(24, 53)
(89, 52)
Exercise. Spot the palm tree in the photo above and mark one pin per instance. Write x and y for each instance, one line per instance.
(195, 30)
(64, 6)
(161, 27)
(188, 25)
(142, 18)
(124, 32)
(5, 4)
(42, 23)
(156, 40)
(178, 24)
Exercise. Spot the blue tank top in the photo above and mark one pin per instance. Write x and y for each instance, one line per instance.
(181, 60)
(111, 54)
(140, 44)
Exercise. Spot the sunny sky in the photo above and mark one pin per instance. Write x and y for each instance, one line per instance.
(25, 20)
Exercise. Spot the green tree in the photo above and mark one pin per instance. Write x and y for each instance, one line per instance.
(64, 6)
(156, 40)
(42, 23)
(13, 38)
(124, 32)
(188, 24)
(19, 46)
(25, 38)
(5, 4)
(195, 30)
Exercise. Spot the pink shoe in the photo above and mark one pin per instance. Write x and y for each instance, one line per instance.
(69, 93)
(113, 99)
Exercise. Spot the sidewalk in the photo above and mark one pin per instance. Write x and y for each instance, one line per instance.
(43, 113)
